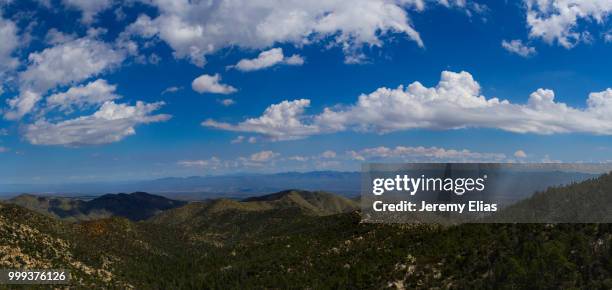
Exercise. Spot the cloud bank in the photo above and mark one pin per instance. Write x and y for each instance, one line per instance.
(329, 159)
(194, 29)
(454, 103)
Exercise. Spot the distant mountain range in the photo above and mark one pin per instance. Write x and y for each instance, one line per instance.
(241, 186)
(204, 187)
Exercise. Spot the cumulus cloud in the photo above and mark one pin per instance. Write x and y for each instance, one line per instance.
(516, 46)
(420, 153)
(88, 8)
(280, 122)
(558, 20)
(263, 156)
(211, 84)
(21, 104)
(64, 64)
(94, 93)
(454, 103)
(195, 29)
(111, 123)
(268, 59)
(68, 63)
(520, 154)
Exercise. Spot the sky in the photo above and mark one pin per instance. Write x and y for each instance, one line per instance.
(105, 90)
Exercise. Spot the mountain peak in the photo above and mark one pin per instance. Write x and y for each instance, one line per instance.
(317, 202)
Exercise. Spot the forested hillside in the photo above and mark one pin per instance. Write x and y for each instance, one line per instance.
(279, 241)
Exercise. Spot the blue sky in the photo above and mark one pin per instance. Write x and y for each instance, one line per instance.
(105, 90)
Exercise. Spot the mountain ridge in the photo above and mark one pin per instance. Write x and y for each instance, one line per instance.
(277, 242)
(134, 206)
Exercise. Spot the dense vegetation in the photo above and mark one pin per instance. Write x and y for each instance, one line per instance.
(280, 242)
(585, 202)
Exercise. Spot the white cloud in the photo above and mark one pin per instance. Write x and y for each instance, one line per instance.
(455, 103)
(211, 163)
(558, 20)
(94, 93)
(299, 158)
(268, 59)
(227, 102)
(195, 29)
(273, 161)
(520, 154)
(280, 122)
(171, 90)
(328, 154)
(294, 60)
(88, 8)
(68, 63)
(55, 37)
(10, 42)
(64, 64)
(516, 46)
(238, 140)
(424, 154)
(211, 84)
(241, 139)
(111, 123)
(4, 149)
(608, 36)
(263, 156)
(256, 160)
(21, 104)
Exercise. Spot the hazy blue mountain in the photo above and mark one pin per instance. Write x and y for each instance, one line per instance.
(203, 187)
(245, 185)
